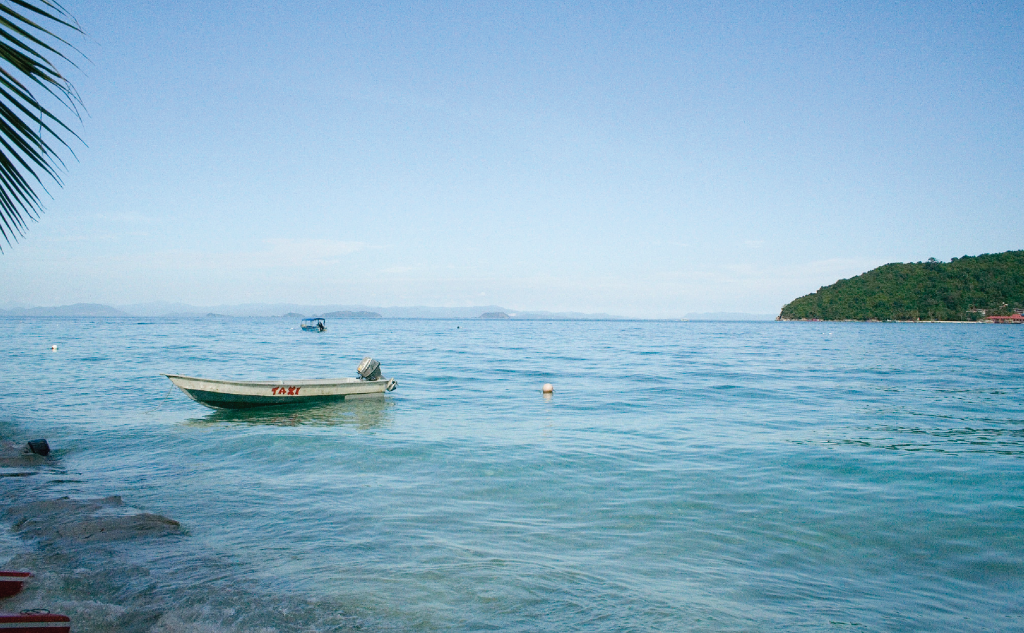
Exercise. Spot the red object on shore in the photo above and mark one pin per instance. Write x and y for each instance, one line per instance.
(1013, 318)
(11, 581)
(34, 623)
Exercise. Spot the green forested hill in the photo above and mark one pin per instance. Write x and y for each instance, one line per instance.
(931, 290)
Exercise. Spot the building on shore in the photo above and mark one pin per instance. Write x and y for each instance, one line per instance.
(1013, 318)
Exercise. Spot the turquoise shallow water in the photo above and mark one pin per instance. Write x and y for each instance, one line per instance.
(683, 477)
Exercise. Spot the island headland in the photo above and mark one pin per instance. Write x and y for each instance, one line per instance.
(963, 289)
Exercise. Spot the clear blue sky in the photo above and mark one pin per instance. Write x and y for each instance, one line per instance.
(644, 159)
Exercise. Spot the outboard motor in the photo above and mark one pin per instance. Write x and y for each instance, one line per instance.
(369, 369)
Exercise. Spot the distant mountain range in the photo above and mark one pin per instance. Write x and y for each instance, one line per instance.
(728, 316)
(349, 314)
(297, 311)
(286, 310)
(78, 309)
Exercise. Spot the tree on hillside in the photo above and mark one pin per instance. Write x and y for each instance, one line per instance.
(31, 88)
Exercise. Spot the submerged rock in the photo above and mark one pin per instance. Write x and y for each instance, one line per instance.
(14, 455)
(93, 520)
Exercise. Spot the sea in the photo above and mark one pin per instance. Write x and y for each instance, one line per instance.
(683, 476)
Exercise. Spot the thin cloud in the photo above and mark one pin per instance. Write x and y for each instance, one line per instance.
(292, 252)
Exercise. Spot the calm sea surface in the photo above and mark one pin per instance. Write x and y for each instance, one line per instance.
(683, 477)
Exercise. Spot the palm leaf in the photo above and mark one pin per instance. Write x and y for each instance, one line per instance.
(30, 85)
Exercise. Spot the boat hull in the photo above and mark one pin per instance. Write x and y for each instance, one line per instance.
(11, 582)
(34, 623)
(246, 394)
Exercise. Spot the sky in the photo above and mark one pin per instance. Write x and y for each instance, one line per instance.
(644, 159)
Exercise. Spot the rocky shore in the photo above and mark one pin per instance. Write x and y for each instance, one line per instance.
(75, 550)
(112, 567)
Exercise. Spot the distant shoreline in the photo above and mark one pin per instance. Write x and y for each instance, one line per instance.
(335, 311)
(879, 322)
(199, 317)
(290, 310)
(195, 317)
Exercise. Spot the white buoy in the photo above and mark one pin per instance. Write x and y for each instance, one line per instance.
(547, 388)
(53, 347)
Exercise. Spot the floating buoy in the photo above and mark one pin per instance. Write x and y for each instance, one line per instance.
(547, 388)
(53, 347)
(11, 582)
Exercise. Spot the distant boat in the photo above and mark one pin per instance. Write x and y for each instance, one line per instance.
(245, 394)
(314, 325)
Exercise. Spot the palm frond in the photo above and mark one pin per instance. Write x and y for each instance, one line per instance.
(30, 133)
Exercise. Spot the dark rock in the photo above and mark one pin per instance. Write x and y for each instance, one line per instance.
(18, 455)
(39, 447)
